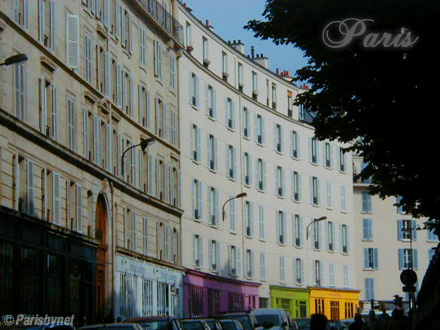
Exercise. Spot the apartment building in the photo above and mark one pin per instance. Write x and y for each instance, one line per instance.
(241, 133)
(84, 231)
(389, 241)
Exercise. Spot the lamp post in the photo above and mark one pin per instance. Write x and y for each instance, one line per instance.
(241, 195)
(311, 223)
(15, 59)
(144, 144)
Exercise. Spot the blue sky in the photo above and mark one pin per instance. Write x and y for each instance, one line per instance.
(228, 18)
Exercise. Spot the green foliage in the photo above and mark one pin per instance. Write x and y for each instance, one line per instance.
(383, 99)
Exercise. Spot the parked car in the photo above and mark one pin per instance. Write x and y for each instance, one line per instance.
(272, 318)
(113, 326)
(247, 320)
(157, 322)
(303, 323)
(194, 324)
(231, 325)
(213, 324)
(48, 327)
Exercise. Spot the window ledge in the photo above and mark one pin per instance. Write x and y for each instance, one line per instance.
(194, 107)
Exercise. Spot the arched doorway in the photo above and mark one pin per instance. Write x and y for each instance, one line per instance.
(101, 258)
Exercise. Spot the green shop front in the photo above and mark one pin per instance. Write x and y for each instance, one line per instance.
(292, 300)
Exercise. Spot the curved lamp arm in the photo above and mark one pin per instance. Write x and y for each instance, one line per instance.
(311, 223)
(241, 195)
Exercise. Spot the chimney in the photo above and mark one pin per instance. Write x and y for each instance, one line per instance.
(252, 52)
(278, 71)
(238, 45)
(263, 61)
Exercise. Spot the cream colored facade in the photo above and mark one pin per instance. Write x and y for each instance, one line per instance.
(379, 228)
(218, 86)
(100, 76)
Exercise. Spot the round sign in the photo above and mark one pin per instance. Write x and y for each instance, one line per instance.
(408, 277)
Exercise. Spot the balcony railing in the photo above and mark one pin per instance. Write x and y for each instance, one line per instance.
(163, 18)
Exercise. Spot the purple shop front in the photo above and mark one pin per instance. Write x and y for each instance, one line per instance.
(208, 295)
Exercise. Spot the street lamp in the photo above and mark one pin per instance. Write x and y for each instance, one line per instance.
(311, 223)
(144, 144)
(14, 59)
(241, 195)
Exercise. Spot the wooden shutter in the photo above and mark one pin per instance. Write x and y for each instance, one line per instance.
(72, 41)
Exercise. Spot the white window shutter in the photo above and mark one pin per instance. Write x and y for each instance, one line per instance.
(86, 133)
(41, 20)
(79, 220)
(109, 149)
(20, 91)
(56, 198)
(30, 203)
(72, 41)
(52, 24)
(43, 106)
(55, 129)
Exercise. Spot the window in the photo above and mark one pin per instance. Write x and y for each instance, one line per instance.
(262, 266)
(246, 123)
(20, 90)
(346, 273)
(232, 221)
(240, 77)
(225, 66)
(280, 181)
(194, 89)
(145, 236)
(330, 236)
(278, 138)
(261, 221)
(161, 119)
(197, 199)
(126, 30)
(230, 114)
(294, 144)
(197, 251)
(260, 130)
(212, 146)
(431, 236)
(315, 186)
(261, 174)
(299, 270)
(213, 207)
(318, 272)
(282, 269)
(367, 180)
(301, 112)
(298, 231)
(431, 253)
(234, 260)
(174, 126)
(214, 255)
(281, 227)
(188, 35)
(344, 239)
(211, 102)
(341, 160)
(367, 229)
(408, 259)
(254, 84)
(173, 71)
(296, 186)
(289, 104)
(71, 124)
(196, 143)
(407, 230)
(72, 32)
(343, 199)
(329, 186)
(369, 289)
(20, 12)
(249, 218)
(400, 209)
(205, 51)
(274, 96)
(48, 109)
(371, 260)
(366, 202)
(247, 169)
(313, 150)
(231, 161)
(250, 261)
(47, 23)
(158, 59)
(143, 42)
(328, 155)
(317, 235)
(331, 273)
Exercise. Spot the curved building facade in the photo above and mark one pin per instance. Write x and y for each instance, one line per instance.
(240, 133)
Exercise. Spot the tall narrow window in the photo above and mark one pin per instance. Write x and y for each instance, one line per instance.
(47, 23)
(20, 12)
(20, 91)
(71, 124)
(225, 66)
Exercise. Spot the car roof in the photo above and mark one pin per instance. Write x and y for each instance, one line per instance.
(149, 318)
(263, 311)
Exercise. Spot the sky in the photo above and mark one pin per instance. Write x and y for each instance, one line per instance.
(228, 18)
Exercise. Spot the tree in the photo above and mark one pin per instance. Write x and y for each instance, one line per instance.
(376, 98)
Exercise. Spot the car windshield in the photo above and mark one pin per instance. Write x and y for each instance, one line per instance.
(243, 319)
(154, 325)
(272, 318)
(192, 325)
(228, 325)
(210, 324)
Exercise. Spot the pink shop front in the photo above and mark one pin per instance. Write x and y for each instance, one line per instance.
(208, 295)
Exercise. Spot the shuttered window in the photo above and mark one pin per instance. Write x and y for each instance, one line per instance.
(20, 91)
(71, 124)
(72, 41)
